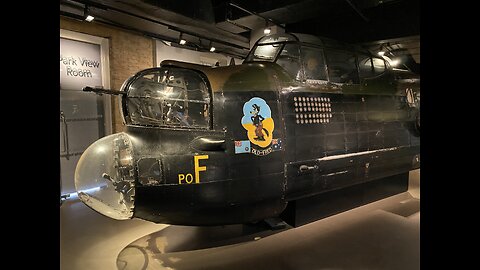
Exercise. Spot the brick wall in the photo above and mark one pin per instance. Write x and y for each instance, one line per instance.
(129, 53)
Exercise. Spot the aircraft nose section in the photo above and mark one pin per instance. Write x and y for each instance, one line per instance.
(104, 177)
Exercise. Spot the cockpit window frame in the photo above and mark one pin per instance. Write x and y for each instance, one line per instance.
(126, 89)
(252, 52)
(303, 45)
(374, 73)
(328, 63)
(300, 58)
(323, 45)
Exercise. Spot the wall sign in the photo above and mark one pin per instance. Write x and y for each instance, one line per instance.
(80, 64)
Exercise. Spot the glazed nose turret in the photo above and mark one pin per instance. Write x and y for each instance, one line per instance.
(104, 177)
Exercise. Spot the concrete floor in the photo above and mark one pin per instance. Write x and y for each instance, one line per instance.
(381, 235)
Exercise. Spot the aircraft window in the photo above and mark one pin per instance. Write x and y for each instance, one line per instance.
(365, 66)
(314, 64)
(272, 39)
(169, 97)
(289, 59)
(378, 65)
(266, 52)
(370, 67)
(341, 67)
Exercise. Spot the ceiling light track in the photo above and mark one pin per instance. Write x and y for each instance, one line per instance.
(138, 31)
(357, 10)
(238, 25)
(268, 20)
(172, 27)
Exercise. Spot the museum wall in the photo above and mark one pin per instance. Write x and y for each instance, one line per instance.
(129, 53)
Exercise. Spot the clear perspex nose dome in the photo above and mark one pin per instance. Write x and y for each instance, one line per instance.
(104, 177)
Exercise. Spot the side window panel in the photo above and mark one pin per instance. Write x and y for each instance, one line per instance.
(365, 66)
(265, 52)
(289, 59)
(378, 65)
(341, 67)
(370, 67)
(314, 64)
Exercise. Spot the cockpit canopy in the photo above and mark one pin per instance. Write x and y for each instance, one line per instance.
(167, 97)
(317, 60)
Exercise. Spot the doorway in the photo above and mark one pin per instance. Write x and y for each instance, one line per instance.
(84, 117)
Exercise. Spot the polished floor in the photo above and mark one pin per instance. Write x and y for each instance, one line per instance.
(381, 235)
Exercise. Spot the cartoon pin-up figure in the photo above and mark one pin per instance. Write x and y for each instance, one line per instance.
(257, 122)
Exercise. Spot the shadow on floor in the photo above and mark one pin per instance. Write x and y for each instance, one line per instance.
(382, 235)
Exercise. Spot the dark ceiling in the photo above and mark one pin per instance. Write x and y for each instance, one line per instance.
(392, 23)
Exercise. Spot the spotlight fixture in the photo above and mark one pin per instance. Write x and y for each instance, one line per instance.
(86, 14)
(182, 41)
(212, 49)
(267, 29)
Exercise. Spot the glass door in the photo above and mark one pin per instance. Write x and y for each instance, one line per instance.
(84, 117)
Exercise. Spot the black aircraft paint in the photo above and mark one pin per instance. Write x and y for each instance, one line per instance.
(236, 144)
